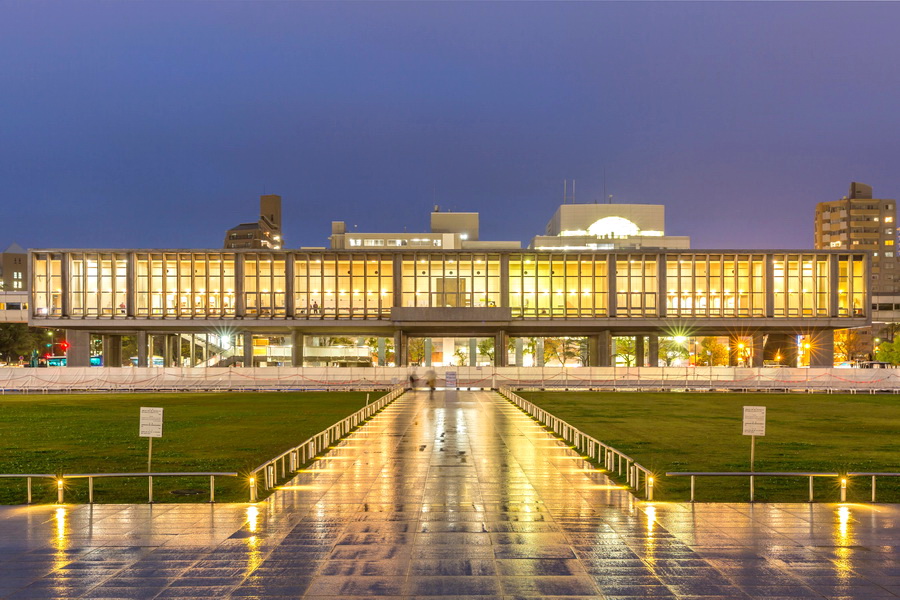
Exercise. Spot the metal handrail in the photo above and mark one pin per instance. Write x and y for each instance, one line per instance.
(811, 475)
(612, 459)
(60, 481)
(290, 460)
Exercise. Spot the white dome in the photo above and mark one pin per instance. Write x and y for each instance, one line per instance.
(613, 227)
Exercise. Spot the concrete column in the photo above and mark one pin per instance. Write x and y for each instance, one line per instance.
(174, 342)
(661, 285)
(500, 357)
(130, 283)
(611, 285)
(822, 349)
(142, 343)
(240, 304)
(770, 285)
(758, 350)
(520, 351)
(428, 351)
(79, 352)
(473, 352)
(401, 351)
(397, 288)
(833, 287)
(382, 351)
(539, 353)
(248, 348)
(289, 307)
(504, 285)
(112, 350)
(601, 353)
(781, 348)
(639, 358)
(64, 299)
(297, 341)
(653, 351)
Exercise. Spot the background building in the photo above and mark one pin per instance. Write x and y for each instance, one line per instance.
(14, 269)
(265, 233)
(448, 231)
(608, 227)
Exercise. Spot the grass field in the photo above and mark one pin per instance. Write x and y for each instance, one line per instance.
(702, 432)
(98, 433)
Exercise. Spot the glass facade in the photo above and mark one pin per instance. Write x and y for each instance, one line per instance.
(367, 285)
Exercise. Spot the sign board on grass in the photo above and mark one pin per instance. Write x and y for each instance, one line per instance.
(755, 420)
(151, 422)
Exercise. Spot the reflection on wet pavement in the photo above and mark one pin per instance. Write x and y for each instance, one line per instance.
(458, 497)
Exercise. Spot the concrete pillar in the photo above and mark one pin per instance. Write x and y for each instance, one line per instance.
(401, 351)
(781, 348)
(248, 349)
(428, 351)
(112, 350)
(756, 360)
(501, 359)
(297, 341)
(601, 349)
(822, 349)
(130, 282)
(539, 352)
(79, 352)
(520, 351)
(639, 358)
(473, 352)
(142, 344)
(174, 342)
(653, 351)
(240, 307)
(382, 351)
(289, 307)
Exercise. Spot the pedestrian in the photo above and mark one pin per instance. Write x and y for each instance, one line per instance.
(431, 378)
(412, 381)
(315, 307)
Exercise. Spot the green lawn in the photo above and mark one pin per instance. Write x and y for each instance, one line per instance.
(702, 432)
(98, 433)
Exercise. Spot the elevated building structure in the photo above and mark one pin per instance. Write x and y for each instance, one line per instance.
(608, 227)
(264, 233)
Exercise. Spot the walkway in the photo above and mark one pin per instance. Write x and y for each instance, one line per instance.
(458, 497)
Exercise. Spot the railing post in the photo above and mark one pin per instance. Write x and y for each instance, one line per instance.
(90, 490)
(649, 488)
(150, 489)
(59, 491)
(212, 489)
(692, 487)
(873, 489)
(751, 488)
(843, 489)
(253, 488)
(810, 488)
(29, 490)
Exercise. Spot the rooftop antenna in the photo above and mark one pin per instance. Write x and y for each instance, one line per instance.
(566, 191)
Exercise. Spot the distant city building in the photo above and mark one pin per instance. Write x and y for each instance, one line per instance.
(860, 222)
(608, 227)
(265, 233)
(449, 231)
(14, 269)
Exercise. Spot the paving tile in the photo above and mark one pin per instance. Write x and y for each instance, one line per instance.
(458, 497)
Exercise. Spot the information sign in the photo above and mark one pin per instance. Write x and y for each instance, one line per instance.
(755, 420)
(151, 422)
(450, 379)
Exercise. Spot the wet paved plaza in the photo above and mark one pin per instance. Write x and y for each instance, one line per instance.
(462, 496)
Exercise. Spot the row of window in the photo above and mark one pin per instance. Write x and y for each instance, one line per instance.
(366, 285)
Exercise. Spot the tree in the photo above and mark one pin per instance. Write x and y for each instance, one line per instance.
(18, 339)
(462, 357)
(486, 348)
(847, 345)
(888, 352)
(625, 349)
(560, 349)
(415, 348)
(712, 352)
(670, 351)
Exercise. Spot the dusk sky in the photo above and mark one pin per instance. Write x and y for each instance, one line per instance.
(159, 124)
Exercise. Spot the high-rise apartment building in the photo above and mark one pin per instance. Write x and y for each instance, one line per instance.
(860, 222)
(14, 269)
(265, 233)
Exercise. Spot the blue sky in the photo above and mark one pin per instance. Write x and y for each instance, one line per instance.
(158, 124)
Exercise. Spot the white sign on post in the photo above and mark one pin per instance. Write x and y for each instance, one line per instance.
(755, 420)
(450, 379)
(151, 422)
